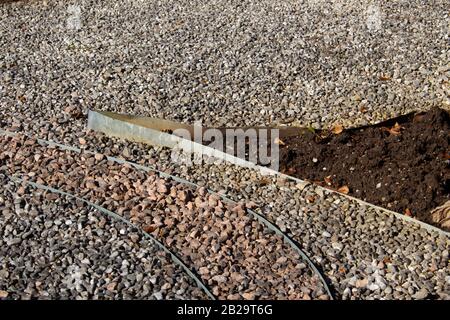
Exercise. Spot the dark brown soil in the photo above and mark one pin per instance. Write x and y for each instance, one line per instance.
(404, 167)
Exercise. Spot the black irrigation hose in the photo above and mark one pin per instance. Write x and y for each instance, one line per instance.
(261, 219)
(115, 216)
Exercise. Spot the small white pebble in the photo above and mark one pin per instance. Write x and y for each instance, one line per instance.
(379, 185)
(122, 231)
(315, 160)
(68, 222)
(326, 234)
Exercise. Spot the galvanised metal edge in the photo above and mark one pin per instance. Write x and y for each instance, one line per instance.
(104, 123)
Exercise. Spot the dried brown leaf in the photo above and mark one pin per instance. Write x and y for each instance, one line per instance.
(387, 260)
(279, 141)
(343, 189)
(337, 129)
(290, 171)
(395, 130)
(264, 181)
(408, 212)
(149, 228)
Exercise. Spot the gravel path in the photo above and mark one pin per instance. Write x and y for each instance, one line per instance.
(366, 253)
(264, 62)
(235, 255)
(54, 247)
(225, 62)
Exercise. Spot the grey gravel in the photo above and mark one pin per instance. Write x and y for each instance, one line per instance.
(225, 62)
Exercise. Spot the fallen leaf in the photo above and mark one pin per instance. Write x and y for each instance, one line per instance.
(337, 129)
(387, 260)
(441, 215)
(82, 141)
(310, 199)
(395, 130)
(3, 294)
(291, 171)
(22, 99)
(363, 109)
(279, 141)
(149, 228)
(384, 78)
(343, 189)
(408, 212)
(264, 181)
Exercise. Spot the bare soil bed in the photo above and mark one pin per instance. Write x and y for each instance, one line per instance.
(402, 164)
